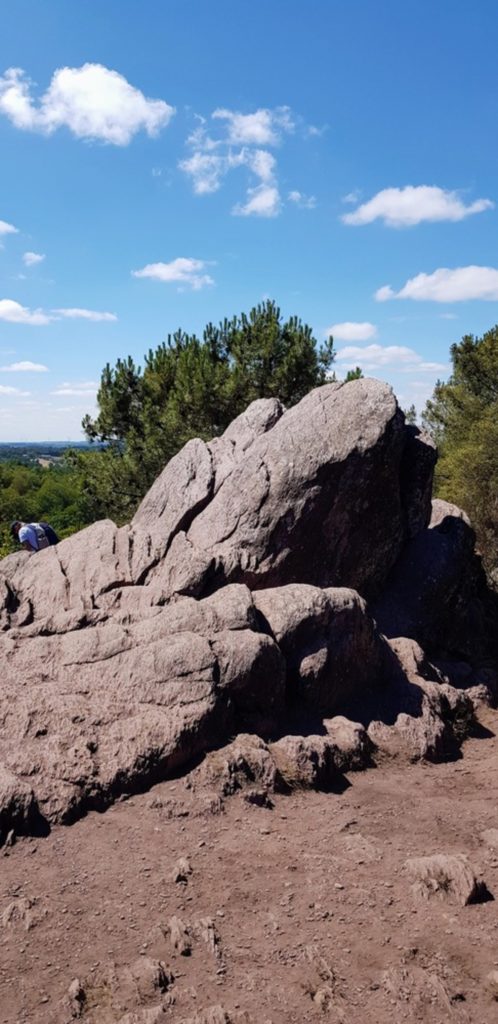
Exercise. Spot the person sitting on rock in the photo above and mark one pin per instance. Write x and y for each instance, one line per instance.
(33, 536)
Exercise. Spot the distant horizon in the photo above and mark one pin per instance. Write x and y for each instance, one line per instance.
(39, 444)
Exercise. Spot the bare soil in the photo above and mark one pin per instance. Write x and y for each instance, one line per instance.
(303, 912)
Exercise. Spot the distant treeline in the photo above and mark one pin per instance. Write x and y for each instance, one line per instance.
(30, 452)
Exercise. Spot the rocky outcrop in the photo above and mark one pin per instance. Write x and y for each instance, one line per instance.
(291, 569)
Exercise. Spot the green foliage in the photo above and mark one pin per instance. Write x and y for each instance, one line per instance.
(191, 387)
(463, 417)
(355, 374)
(34, 494)
(410, 415)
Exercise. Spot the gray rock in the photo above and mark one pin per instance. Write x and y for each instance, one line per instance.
(330, 644)
(436, 593)
(246, 761)
(182, 489)
(444, 875)
(309, 478)
(235, 602)
(416, 715)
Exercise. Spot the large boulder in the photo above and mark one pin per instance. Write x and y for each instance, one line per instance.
(94, 713)
(237, 601)
(311, 501)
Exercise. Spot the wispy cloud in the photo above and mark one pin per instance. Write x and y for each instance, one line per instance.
(231, 139)
(13, 313)
(352, 197)
(301, 200)
(262, 201)
(7, 229)
(411, 205)
(79, 389)
(86, 314)
(24, 367)
(262, 128)
(185, 271)
(5, 390)
(445, 285)
(30, 259)
(352, 331)
(93, 101)
(375, 357)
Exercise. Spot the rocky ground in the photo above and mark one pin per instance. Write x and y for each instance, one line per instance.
(182, 907)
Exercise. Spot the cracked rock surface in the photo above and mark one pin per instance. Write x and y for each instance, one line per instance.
(291, 573)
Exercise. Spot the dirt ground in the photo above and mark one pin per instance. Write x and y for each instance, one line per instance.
(303, 912)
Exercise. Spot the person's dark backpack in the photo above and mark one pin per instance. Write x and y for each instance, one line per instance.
(49, 533)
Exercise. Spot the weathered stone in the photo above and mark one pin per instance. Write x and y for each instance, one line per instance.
(245, 761)
(182, 489)
(308, 478)
(227, 450)
(417, 715)
(353, 748)
(445, 875)
(436, 593)
(252, 674)
(329, 641)
(127, 652)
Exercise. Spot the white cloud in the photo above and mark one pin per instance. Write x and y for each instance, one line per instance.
(404, 207)
(444, 285)
(183, 270)
(262, 201)
(373, 357)
(206, 171)
(93, 101)
(352, 331)
(262, 163)
(351, 197)
(86, 314)
(305, 202)
(240, 142)
(30, 259)
(314, 130)
(24, 367)
(78, 389)
(4, 390)
(7, 229)
(262, 128)
(14, 313)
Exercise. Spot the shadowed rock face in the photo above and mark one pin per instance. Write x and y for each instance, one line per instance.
(236, 601)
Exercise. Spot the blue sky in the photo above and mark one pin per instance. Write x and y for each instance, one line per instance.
(164, 165)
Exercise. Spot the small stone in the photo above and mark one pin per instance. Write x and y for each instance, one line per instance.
(492, 984)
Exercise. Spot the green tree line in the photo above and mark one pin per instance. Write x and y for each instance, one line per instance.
(191, 387)
(33, 493)
(463, 417)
